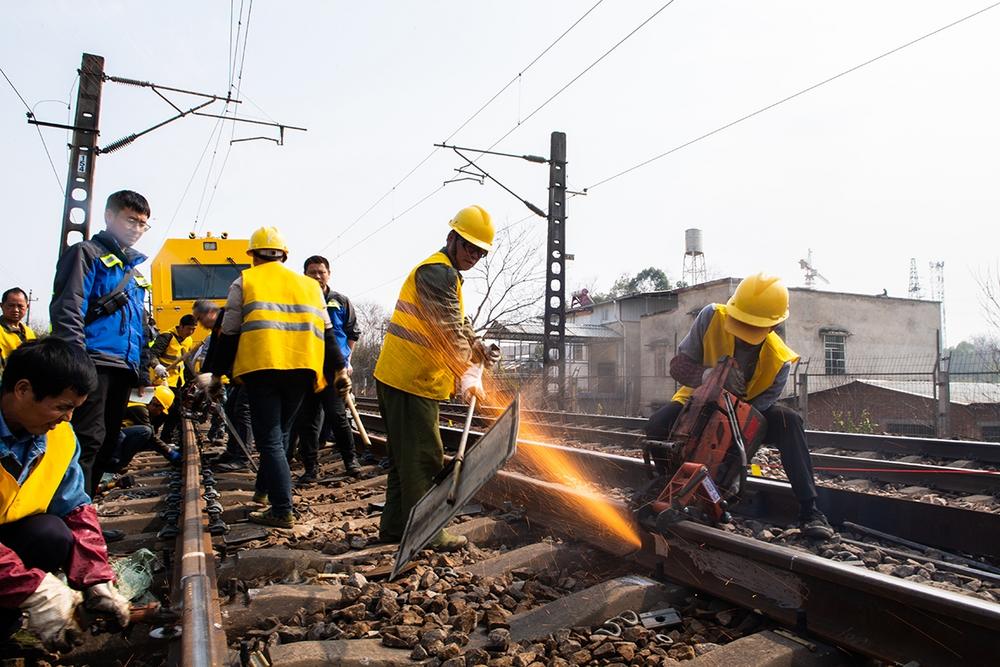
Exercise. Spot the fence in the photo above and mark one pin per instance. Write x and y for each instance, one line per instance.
(954, 395)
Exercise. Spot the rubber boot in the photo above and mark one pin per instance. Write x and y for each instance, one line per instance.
(447, 542)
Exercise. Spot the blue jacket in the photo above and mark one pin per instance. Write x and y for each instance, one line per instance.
(343, 319)
(86, 272)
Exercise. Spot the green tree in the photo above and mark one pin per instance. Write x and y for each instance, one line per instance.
(650, 279)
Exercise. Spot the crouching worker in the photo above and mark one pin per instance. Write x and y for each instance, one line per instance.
(744, 328)
(139, 429)
(47, 523)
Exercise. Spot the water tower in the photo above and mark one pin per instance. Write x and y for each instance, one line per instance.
(694, 258)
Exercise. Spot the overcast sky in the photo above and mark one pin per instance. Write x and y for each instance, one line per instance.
(898, 159)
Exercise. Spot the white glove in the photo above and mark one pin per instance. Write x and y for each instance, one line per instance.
(50, 612)
(471, 383)
(105, 598)
(160, 371)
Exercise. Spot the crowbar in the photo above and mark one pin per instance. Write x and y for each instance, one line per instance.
(357, 420)
(460, 456)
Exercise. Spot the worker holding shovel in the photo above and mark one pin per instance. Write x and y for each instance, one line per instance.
(428, 347)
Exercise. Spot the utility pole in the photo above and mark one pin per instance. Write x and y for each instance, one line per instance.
(554, 324)
(83, 151)
(31, 299)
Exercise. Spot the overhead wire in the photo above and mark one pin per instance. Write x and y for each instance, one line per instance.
(392, 220)
(468, 120)
(194, 172)
(31, 114)
(788, 98)
(583, 72)
(232, 133)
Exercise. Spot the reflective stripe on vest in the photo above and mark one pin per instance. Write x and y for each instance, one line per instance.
(35, 495)
(412, 356)
(283, 326)
(718, 343)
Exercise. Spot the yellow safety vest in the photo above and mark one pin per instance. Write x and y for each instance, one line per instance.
(283, 325)
(176, 349)
(412, 357)
(719, 343)
(34, 496)
(10, 340)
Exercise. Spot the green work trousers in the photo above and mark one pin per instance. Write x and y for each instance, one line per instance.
(416, 454)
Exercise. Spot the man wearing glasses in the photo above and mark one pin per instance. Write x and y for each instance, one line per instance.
(428, 345)
(13, 331)
(98, 304)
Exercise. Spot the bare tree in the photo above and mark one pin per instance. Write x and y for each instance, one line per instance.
(508, 282)
(373, 319)
(988, 345)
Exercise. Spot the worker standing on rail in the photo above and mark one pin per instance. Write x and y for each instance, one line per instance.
(744, 328)
(13, 331)
(428, 345)
(47, 523)
(309, 423)
(278, 334)
(98, 305)
(169, 351)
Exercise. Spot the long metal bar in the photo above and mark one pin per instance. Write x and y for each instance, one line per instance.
(203, 643)
(880, 616)
(950, 528)
(899, 445)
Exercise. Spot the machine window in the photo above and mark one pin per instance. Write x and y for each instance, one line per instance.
(203, 281)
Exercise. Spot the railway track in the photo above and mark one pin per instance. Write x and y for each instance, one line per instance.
(543, 578)
(945, 465)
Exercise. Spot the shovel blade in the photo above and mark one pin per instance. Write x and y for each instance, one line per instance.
(483, 458)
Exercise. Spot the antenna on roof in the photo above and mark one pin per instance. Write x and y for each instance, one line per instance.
(811, 273)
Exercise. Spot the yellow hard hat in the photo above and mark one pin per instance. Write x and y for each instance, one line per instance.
(759, 303)
(474, 225)
(267, 238)
(164, 395)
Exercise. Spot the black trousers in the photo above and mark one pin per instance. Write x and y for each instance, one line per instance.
(317, 409)
(784, 431)
(238, 410)
(275, 397)
(98, 421)
(41, 540)
(171, 431)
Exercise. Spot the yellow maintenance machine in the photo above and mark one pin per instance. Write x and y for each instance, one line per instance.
(194, 268)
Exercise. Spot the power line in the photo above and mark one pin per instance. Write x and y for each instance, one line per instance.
(468, 120)
(232, 133)
(31, 114)
(789, 98)
(585, 70)
(204, 151)
(232, 60)
(391, 220)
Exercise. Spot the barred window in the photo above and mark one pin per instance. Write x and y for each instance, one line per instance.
(913, 429)
(991, 432)
(834, 346)
(660, 361)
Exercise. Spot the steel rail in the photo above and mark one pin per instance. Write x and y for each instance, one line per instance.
(619, 430)
(202, 642)
(864, 611)
(945, 527)
(943, 478)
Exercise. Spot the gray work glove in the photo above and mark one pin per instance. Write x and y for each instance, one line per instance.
(105, 599)
(736, 384)
(50, 613)
(342, 383)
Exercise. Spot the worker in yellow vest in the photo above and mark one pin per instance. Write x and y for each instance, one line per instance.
(277, 337)
(170, 349)
(13, 331)
(744, 329)
(47, 524)
(139, 427)
(428, 346)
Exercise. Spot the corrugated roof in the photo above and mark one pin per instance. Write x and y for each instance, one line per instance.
(961, 393)
(533, 330)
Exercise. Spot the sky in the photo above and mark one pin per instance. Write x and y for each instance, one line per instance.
(895, 160)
